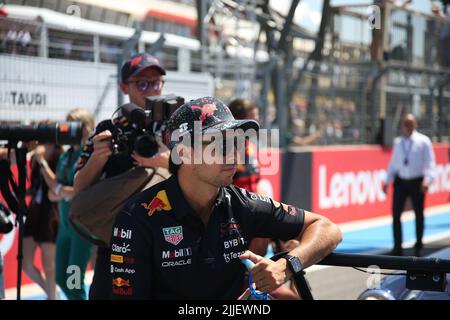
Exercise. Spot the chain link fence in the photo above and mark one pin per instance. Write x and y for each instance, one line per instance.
(348, 98)
(378, 63)
(330, 106)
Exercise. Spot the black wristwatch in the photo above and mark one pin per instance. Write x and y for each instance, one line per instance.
(294, 263)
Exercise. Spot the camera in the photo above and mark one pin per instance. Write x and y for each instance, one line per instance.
(58, 133)
(161, 107)
(144, 124)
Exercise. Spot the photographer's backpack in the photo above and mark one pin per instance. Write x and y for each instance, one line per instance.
(94, 210)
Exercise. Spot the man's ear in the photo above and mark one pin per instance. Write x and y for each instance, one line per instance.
(124, 88)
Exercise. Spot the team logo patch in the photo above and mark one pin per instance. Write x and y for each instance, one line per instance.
(292, 211)
(173, 235)
(116, 258)
(285, 207)
(159, 203)
(120, 282)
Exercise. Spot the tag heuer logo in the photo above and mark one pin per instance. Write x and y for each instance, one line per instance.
(173, 235)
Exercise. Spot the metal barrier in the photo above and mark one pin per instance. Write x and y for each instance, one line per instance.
(422, 273)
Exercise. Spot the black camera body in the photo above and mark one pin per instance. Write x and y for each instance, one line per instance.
(162, 107)
(144, 124)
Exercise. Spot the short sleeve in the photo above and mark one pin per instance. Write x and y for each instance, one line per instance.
(267, 218)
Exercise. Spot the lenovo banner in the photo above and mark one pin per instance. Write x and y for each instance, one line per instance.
(347, 182)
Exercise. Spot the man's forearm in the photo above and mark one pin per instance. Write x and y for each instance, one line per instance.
(317, 241)
(87, 175)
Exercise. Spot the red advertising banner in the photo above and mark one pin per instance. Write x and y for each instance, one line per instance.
(347, 182)
(270, 170)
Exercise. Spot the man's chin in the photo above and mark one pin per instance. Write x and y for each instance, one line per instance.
(226, 181)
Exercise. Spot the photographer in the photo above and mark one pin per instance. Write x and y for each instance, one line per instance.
(141, 77)
(41, 225)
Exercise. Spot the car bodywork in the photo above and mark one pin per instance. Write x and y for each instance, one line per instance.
(393, 287)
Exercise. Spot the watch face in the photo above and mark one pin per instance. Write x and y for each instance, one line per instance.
(296, 264)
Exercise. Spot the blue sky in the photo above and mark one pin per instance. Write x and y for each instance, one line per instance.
(309, 11)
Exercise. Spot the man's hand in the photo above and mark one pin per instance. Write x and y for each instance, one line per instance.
(425, 186)
(3, 153)
(39, 153)
(160, 160)
(267, 274)
(102, 147)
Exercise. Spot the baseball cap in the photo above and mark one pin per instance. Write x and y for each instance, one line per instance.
(139, 62)
(213, 114)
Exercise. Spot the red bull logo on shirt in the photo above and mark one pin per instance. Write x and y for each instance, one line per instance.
(122, 287)
(173, 235)
(120, 282)
(159, 203)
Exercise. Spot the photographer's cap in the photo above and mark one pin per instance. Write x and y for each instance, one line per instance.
(138, 63)
(213, 114)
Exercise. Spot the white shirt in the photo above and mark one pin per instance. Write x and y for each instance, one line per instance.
(412, 158)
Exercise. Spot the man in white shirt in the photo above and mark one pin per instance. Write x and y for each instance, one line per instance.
(412, 170)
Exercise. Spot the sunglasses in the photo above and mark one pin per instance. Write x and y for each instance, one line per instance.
(144, 85)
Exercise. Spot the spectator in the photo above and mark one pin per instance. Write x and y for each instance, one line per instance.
(444, 33)
(247, 174)
(299, 138)
(376, 33)
(71, 248)
(41, 225)
(412, 169)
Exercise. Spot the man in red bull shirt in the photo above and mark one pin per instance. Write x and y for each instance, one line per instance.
(185, 237)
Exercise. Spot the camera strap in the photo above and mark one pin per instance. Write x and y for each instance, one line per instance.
(21, 159)
(6, 184)
(11, 190)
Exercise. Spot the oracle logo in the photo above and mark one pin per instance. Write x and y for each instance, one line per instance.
(350, 188)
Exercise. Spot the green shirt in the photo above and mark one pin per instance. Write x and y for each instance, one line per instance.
(65, 171)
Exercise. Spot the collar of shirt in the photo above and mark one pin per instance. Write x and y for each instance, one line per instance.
(412, 137)
(180, 205)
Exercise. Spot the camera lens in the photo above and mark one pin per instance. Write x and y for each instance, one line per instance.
(146, 145)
